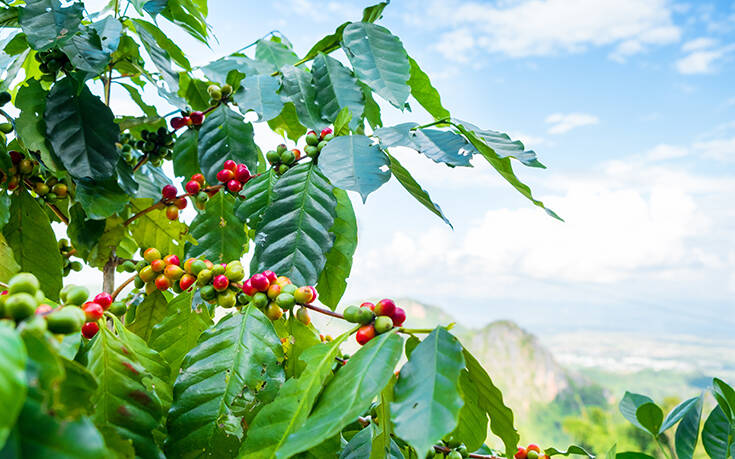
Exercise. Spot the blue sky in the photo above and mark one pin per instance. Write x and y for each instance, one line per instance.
(631, 105)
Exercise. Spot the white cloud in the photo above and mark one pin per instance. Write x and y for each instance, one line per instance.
(565, 122)
(719, 149)
(703, 59)
(663, 151)
(544, 27)
(698, 43)
(455, 44)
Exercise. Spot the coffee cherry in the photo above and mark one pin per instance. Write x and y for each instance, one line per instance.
(303, 315)
(383, 324)
(533, 447)
(368, 305)
(320, 146)
(23, 283)
(158, 266)
(303, 295)
(273, 157)
(352, 314)
(325, 132)
(462, 449)
(283, 280)
(197, 266)
(220, 283)
(281, 148)
(282, 169)
(296, 153)
(399, 316)
(313, 293)
(521, 453)
(186, 281)
(531, 454)
(180, 203)
(172, 260)
(151, 254)
(43, 309)
(328, 137)
(288, 288)
(103, 299)
(150, 287)
(285, 301)
(270, 275)
(454, 454)
(19, 306)
(16, 156)
(225, 175)
(163, 282)
(273, 291)
(90, 329)
(365, 334)
(227, 299)
(68, 319)
(172, 213)
(199, 178)
(218, 269)
(204, 276)
(366, 316)
(92, 311)
(193, 187)
(288, 157)
(196, 118)
(385, 307)
(25, 166)
(311, 151)
(208, 293)
(169, 192)
(248, 289)
(234, 271)
(173, 272)
(177, 122)
(42, 189)
(273, 311)
(260, 300)
(147, 274)
(260, 282)
(312, 138)
(60, 190)
(226, 90)
(234, 186)
(242, 173)
(118, 308)
(128, 266)
(230, 165)
(214, 92)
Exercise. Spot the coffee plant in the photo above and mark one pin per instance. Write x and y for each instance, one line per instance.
(199, 358)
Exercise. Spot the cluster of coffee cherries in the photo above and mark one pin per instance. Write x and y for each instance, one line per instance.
(94, 309)
(195, 118)
(218, 93)
(457, 449)
(26, 171)
(375, 318)
(51, 62)
(275, 294)
(315, 143)
(196, 188)
(161, 273)
(157, 145)
(234, 175)
(66, 251)
(530, 452)
(173, 204)
(281, 159)
(5, 128)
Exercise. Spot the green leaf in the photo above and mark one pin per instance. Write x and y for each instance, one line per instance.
(12, 379)
(299, 89)
(218, 71)
(109, 31)
(194, 91)
(75, 391)
(186, 154)
(374, 12)
(287, 123)
(688, 430)
(503, 166)
(235, 368)
(160, 57)
(275, 52)
(328, 43)
(629, 406)
(165, 43)
(4, 209)
(148, 110)
(336, 89)
(725, 396)
(612, 452)
(8, 265)
(354, 163)
(124, 402)
(633, 455)
(109, 240)
(348, 394)
(259, 194)
(427, 397)
(341, 124)
(491, 400)
(440, 146)
(573, 449)
(33, 242)
(148, 313)
(178, 332)
(153, 229)
(424, 93)
(505, 147)
(472, 424)
(332, 281)
(47, 24)
(101, 198)
(715, 434)
(220, 234)
(150, 180)
(678, 412)
(359, 446)
(379, 60)
(86, 53)
(259, 93)
(287, 413)
(381, 444)
(30, 125)
(650, 416)
(293, 237)
(412, 186)
(82, 131)
(300, 337)
(225, 135)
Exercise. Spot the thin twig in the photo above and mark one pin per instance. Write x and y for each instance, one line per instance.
(161, 203)
(445, 450)
(141, 161)
(324, 311)
(122, 286)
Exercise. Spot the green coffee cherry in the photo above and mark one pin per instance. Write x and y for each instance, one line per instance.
(352, 314)
(260, 300)
(227, 299)
(273, 157)
(285, 301)
(118, 308)
(20, 306)
(23, 283)
(66, 320)
(76, 295)
(208, 293)
(218, 270)
(383, 324)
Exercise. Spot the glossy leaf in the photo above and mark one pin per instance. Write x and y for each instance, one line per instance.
(472, 424)
(153, 229)
(82, 131)
(147, 314)
(258, 194)
(379, 60)
(165, 43)
(30, 124)
(160, 57)
(328, 43)
(571, 450)
(225, 135)
(629, 406)
(299, 337)
(224, 381)
(275, 52)
(348, 394)
(502, 144)
(293, 237)
(336, 89)
(715, 434)
(8, 265)
(112, 235)
(678, 412)
(299, 89)
(287, 123)
(219, 70)
(220, 234)
(359, 446)
(150, 180)
(687, 432)
(101, 198)
(405, 178)
(440, 146)
(29, 235)
(179, 331)
(109, 31)
(332, 281)
(381, 442)
(124, 402)
(186, 154)
(354, 163)
(86, 53)
(427, 397)
(75, 392)
(189, 15)
(423, 91)
(47, 24)
(287, 413)
(491, 400)
(259, 94)
(12, 379)
(725, 396)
